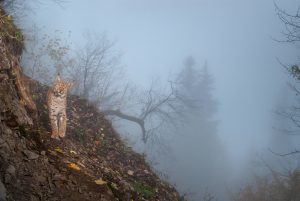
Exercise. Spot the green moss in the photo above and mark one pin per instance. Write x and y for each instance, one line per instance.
(79, 135)
(144, 190)
(10, 34)
(19, 36)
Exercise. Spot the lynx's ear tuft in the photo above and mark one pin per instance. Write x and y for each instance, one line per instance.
(58, 77)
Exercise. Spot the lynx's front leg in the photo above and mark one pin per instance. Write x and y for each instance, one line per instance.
(62, 124)
(54, 125)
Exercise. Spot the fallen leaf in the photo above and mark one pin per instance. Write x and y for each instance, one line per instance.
(72, 152)
(80, 164)
(114, 185)
(130, 172)
(53, 153)
(73, 166)
(59, 150)
(100, 181)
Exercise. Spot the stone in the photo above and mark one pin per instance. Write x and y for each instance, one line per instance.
(41, 179)
(7, 178)
(11, 170)
(30, 155)
(2, 192)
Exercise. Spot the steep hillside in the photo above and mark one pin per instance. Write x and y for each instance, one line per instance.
(91, 163)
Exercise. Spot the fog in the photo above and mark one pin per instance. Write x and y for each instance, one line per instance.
(237, 41)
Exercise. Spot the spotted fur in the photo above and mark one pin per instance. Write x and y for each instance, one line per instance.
(57, 103)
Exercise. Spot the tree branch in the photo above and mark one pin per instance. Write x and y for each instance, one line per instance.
(134, 119)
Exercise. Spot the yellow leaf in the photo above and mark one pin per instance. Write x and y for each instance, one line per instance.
(73, 166)
(100, 181)
(59, 150)
(72, 152)
(114, 185)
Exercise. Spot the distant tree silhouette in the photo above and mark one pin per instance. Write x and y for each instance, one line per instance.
(200, 149)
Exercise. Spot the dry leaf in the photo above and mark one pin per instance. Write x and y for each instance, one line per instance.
(114, 185)
(80, 164)
(73, 166)
(130, 172)
(59, 150)
(72, 152)
(100, 181)
(53, 153)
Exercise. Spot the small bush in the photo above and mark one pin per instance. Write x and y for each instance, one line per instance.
(279, 187)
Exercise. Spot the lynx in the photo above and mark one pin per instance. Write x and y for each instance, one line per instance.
(57, 103)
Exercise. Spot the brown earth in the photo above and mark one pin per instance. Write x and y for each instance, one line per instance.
(91, 163)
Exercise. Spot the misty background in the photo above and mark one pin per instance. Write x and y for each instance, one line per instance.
(235, 41)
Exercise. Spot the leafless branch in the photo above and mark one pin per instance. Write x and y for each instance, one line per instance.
(286, 154)
(291, 23)
(157, 110)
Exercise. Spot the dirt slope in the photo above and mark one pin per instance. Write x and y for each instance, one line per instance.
(91, 163)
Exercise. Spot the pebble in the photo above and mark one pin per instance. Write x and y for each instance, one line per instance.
(30, 155)
(2, 192)
(11, 170)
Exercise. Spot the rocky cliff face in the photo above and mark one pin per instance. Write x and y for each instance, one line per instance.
(13, 101)
(91, 163)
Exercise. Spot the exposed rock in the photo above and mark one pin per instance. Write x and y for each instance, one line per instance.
(2, 192)
(7, 178)
(4, 155)
(11, 170)
(41, 179)
(30, 155)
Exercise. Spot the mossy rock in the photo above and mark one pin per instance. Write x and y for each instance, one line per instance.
(144, 190)
(10, 34)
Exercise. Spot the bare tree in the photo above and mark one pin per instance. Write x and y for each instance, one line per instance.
(275, 187)
(291, 34)
(44, 55)
(96, 71)
(156, 110)
(291, 23)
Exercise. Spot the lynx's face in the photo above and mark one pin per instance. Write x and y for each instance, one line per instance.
(61, 87)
